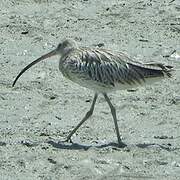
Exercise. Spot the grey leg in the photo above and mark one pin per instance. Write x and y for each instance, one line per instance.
(113, 112)
(88, 114)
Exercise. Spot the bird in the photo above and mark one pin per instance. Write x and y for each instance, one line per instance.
(102, 71)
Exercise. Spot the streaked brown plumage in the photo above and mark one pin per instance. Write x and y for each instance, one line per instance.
(102, 71)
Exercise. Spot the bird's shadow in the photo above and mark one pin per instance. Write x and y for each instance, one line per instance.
(77, 146)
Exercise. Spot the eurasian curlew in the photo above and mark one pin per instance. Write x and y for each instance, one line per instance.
(102, 71)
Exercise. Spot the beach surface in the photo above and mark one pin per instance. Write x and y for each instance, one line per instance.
(39, 112)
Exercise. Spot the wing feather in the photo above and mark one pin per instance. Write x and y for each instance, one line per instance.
(105, 67)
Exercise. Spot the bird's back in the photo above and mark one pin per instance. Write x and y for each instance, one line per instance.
(103, 71)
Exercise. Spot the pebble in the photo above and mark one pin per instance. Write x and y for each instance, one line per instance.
(175, 164)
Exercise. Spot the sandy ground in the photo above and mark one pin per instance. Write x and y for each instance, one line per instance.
(43, 108)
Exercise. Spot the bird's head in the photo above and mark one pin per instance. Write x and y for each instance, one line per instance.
(62, 49)
(65, 46)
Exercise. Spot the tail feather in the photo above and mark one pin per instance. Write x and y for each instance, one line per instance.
(161, 68)
(152, 70)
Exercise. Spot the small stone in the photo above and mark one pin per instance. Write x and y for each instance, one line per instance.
(2, 143)
(175, 164)
(53, 97)
(24, 32)
(100, 44)
(57, 117)
(44, 134)
(162, 162)
(88, 100)
(45, 147)
(163, 137)
(52, 161)
(143, 40)
(65, 166)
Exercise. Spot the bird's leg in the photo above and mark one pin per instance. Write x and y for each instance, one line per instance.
(88, 114)
(113, 112)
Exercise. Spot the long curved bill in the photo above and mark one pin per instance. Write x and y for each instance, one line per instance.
(50, 54)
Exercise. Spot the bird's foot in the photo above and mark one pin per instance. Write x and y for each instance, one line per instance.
(121, 144)
(68, 140)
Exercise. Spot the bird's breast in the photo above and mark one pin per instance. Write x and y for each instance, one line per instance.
(82, 73)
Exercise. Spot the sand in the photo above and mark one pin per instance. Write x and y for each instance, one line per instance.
(39, 112)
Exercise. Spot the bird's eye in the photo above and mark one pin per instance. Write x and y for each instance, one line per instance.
(59, 45)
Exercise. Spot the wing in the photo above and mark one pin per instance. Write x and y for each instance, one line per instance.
(105, 67)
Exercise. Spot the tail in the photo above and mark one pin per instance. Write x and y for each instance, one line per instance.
(161, 69)
(152, 70)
